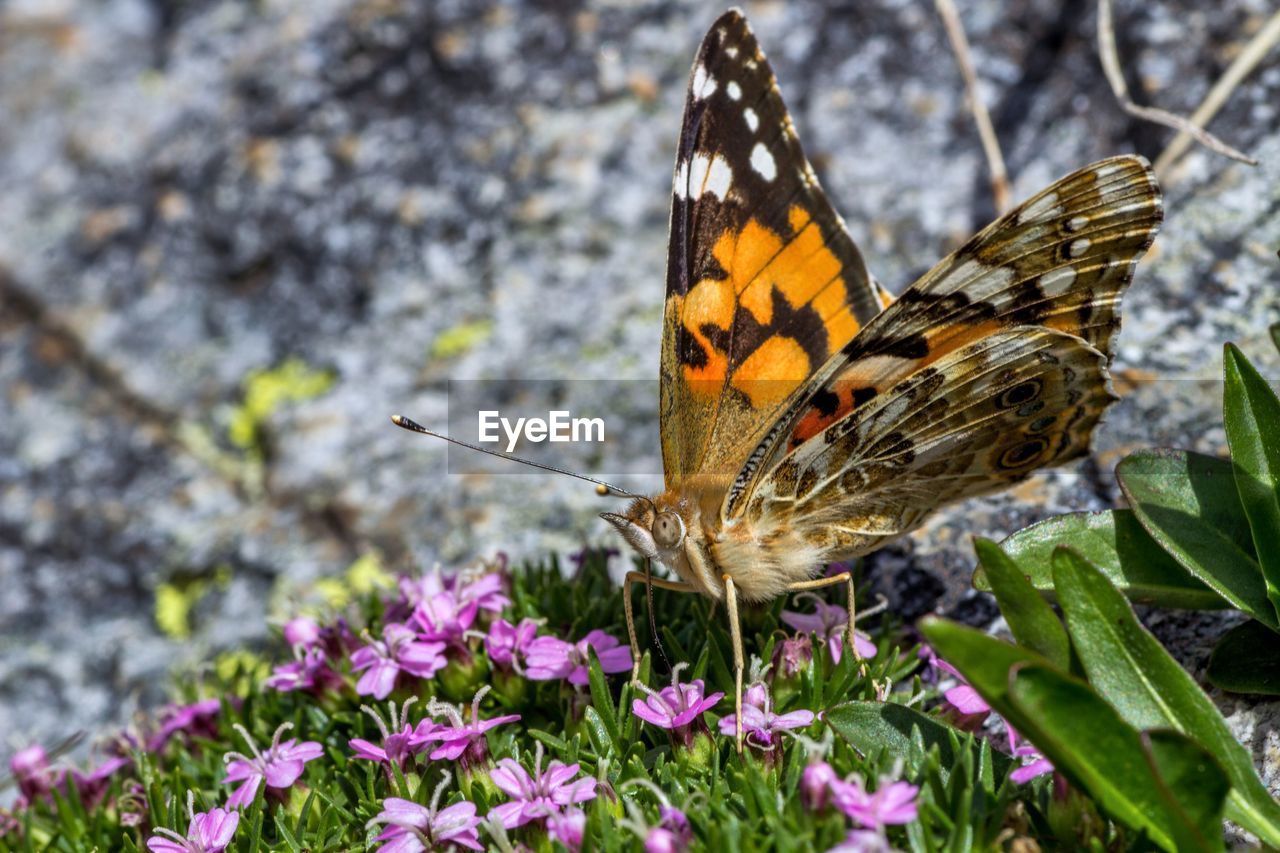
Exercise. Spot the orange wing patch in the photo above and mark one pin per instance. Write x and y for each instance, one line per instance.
(761, 267)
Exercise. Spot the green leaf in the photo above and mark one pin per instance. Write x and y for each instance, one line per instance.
(1147, 687)
(1194, 785)
(1087, 740)
(1115, 542)
(1189, 504)
(1031, 620)
(873, 727)
(597, 731)
(602, 700)
(1275, 334)
(1251, 412)
(1247, 660)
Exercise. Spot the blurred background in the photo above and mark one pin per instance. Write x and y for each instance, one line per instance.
(236, 236)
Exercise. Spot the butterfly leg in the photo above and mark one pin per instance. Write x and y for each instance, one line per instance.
(661, 583)
(735, 634)
(845, 578)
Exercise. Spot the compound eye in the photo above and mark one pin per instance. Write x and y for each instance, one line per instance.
(668, 530)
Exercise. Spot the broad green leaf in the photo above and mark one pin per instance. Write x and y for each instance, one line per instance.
(1247, 660)
(1132, 671)
(870, 727)
(1031, 619)
(1115, 542)
(1189, 504)
(1194, 785)
(1087, 740)
(1251, 412)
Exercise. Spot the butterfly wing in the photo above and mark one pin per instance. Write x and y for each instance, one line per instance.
(982, 416)
(764, 283)
(1057, 263)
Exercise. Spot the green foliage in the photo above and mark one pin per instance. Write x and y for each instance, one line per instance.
(965, 801)
(1202, 532)
(1135, 732)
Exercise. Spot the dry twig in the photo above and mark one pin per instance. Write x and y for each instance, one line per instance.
(1187, 128)
(1254, 52)
(987, 132)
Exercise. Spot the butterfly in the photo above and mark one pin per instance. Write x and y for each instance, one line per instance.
(806, 416)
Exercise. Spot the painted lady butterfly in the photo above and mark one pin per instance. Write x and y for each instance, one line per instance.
(807, 416)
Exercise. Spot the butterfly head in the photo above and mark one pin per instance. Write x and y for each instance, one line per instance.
(655, 531)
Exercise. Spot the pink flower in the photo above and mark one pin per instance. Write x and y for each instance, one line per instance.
(863, 841)
(508, 644)
(892, 803)
(815, 784)
(400, 740)
(310, 672)
(677, 707)
(1038, 766)
(412, 828)
(31, 770)
(399, 650)
(92, 786)
(462, 740)
(567, 827)
(672, 834)
(828, 622)
(280, 766)
(962, 697)
(198, 718)
(550, 658)
(301, 632)
(208, 832)
(759, 723)
(792, 656)
(444, 618)
(537, 797)
(487, 591)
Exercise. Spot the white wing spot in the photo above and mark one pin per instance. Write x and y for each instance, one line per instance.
(1079, 247)
(704, 85)
(1042, 208)
(680, 183)
(698, 175)
(719, 178)
(980, 280)
(762, 162)
(731, 52)
(753, 121)
(1075, 223)
(1057, 282)
(734, 90)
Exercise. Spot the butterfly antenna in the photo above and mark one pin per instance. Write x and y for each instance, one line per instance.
(602, 487)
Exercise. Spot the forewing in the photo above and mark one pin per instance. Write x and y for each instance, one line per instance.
(1058, 262)
(983, 416)
(764, 283)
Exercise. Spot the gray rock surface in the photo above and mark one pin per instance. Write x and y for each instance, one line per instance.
(193, 191)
